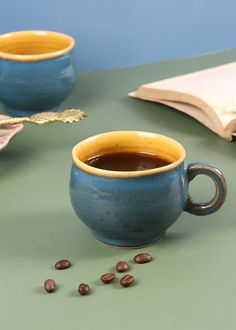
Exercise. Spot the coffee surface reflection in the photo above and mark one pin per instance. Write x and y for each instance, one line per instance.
(127, 161)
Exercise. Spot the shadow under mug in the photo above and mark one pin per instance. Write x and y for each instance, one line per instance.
(36, 71)
(135, 208)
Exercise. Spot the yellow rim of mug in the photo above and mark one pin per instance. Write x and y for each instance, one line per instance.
(118, 141)
(12, 45)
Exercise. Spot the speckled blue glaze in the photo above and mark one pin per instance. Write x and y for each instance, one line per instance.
(129, 212)
(30, 87)
(135, 208)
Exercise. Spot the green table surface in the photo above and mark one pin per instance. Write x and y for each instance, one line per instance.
(191, 283)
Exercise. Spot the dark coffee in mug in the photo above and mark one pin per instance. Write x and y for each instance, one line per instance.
(126, 161)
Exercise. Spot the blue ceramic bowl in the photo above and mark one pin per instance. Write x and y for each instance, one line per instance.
(132, 209)
(36, 71)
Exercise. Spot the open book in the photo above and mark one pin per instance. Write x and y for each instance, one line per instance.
(208, 96)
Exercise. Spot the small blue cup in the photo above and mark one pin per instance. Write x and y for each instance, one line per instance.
(36, 71)
(134, 209)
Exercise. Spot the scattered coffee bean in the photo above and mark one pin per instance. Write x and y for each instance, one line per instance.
(63, 264)
(83, 289)
(49, 285)
(108, 278)
(142, 258)
(127, 280)
(122, 266)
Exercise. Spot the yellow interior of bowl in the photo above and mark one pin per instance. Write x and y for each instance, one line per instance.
(34, 45)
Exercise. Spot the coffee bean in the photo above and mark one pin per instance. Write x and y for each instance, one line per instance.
(63, 264)
(108, 278)
(127, 280)
(142, 258)
(83, 289)
(49, 285)
(122, 266)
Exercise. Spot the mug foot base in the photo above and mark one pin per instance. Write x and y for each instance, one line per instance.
(26, 113)
(119, 243)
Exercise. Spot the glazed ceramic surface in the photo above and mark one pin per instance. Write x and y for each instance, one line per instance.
(37, 71)
(133, 209)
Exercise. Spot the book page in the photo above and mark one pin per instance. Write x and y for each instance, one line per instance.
(212, 90)
(201, 116)
(215, 86)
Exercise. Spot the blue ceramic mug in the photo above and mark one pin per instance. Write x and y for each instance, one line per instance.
(36, 71)
(135, 208)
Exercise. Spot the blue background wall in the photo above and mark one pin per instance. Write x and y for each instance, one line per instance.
(119, 33)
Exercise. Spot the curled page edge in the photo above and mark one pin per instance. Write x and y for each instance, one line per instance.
(191, 110)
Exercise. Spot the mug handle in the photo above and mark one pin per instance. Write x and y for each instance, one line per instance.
(217, 201)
